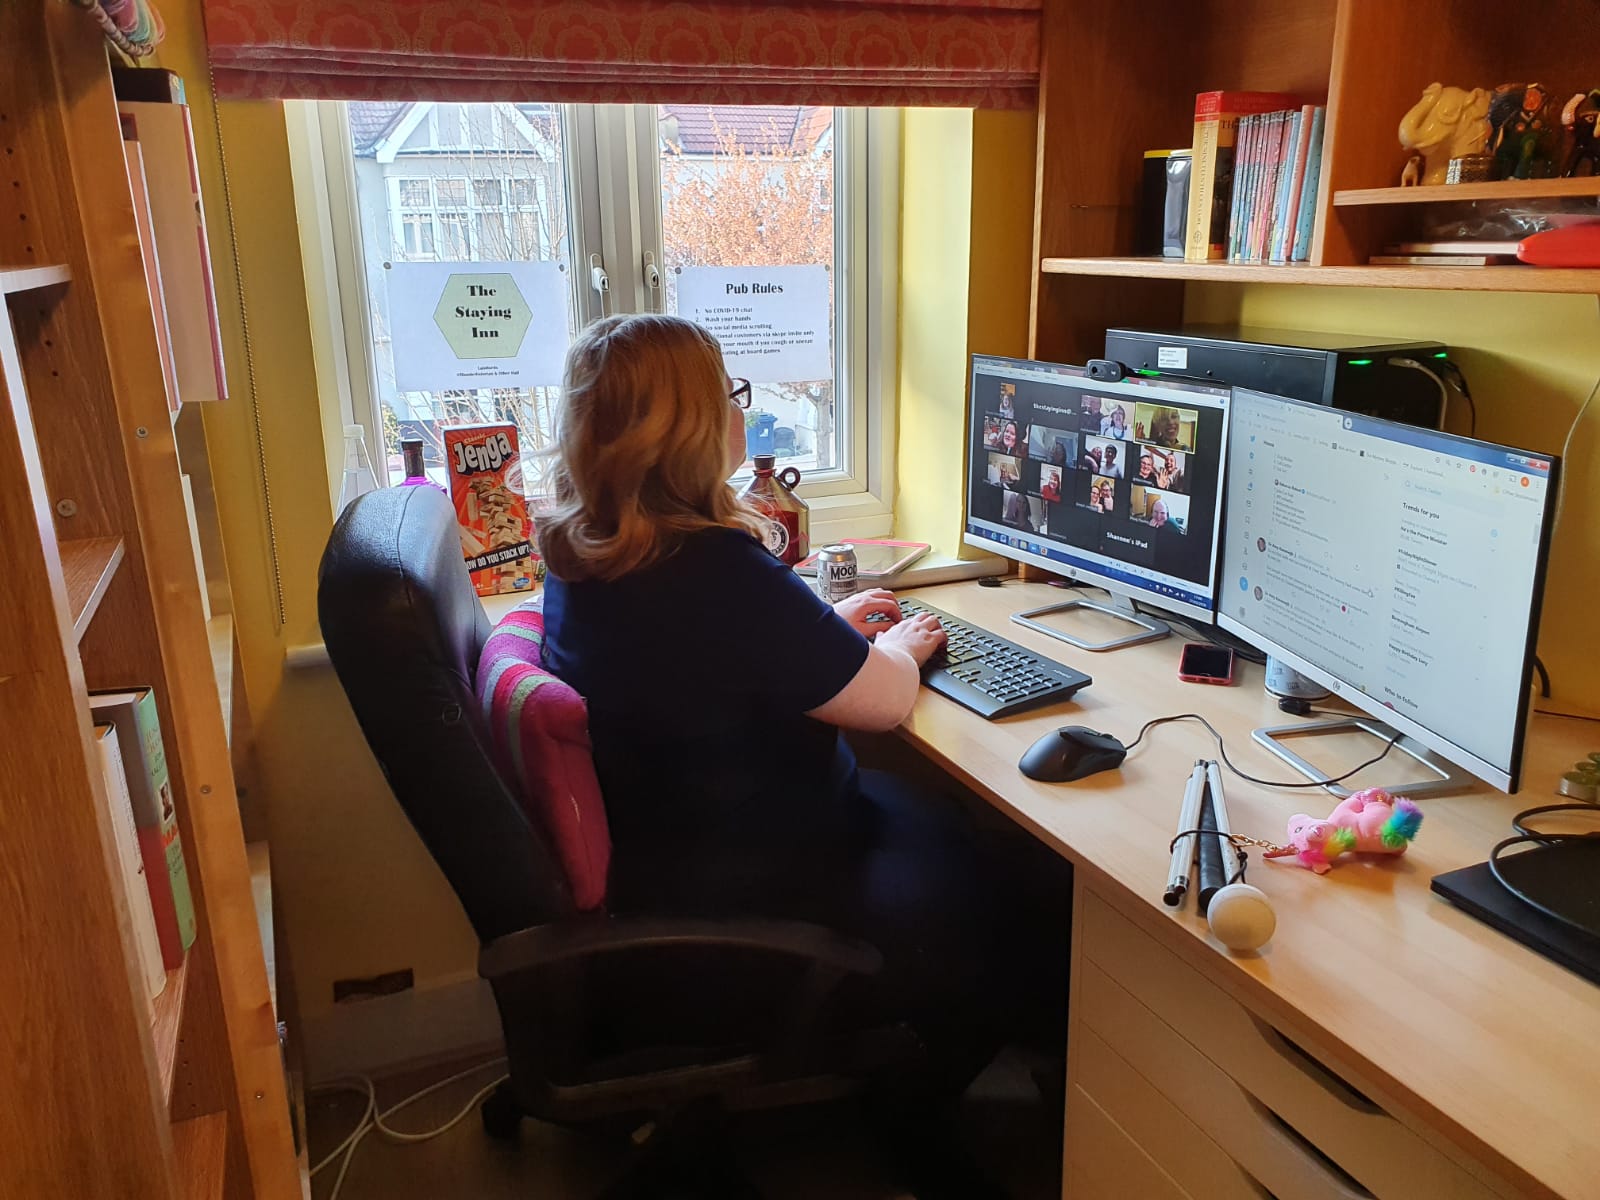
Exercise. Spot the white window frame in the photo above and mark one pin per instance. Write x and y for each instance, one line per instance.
(615, 171)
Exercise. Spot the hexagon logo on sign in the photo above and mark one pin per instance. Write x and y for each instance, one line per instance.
(483, 316)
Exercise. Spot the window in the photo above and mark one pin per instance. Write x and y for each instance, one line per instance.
(773, 225)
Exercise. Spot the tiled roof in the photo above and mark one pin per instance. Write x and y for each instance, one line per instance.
(703, 129)
(370, 120)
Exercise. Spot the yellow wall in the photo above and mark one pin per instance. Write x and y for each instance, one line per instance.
(358, 893)
(1531, 360)
(966, 254)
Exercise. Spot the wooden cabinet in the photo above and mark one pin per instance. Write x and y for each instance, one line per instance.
(98, 589)
(1220, 1101)
(1118, 79)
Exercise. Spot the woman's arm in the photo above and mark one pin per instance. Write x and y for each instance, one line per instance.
(883, 691)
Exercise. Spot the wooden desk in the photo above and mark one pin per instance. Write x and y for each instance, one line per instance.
(1453, 1042)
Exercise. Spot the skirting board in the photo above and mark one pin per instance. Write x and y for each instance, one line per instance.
(379, 1036)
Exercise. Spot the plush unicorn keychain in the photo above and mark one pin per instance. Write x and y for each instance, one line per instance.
(1369, 822)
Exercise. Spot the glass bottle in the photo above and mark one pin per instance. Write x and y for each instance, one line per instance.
(359, 477)
(772, 493)
(416, 472)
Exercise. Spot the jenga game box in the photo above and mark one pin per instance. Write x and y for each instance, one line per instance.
(491, 511)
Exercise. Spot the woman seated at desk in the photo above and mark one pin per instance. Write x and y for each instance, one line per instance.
(717, 682)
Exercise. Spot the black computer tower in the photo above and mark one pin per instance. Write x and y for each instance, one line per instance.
(1352, 372)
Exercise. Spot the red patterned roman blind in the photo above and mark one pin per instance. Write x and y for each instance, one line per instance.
(963, 53)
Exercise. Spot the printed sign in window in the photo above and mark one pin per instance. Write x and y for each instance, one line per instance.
(472, 325)
(772, 321)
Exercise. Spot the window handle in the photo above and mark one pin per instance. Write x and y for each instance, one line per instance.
(601, 282)
(652, 279)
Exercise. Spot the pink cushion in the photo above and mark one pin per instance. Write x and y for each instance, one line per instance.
(540, 728)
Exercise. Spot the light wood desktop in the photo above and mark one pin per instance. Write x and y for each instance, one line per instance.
(1457, 1062)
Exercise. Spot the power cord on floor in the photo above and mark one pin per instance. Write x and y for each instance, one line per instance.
(372, 1119)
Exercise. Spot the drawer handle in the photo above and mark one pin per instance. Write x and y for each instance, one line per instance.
(1307, 1064)
(1344, 1183)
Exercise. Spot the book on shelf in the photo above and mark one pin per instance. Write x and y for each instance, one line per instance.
(1440, 260)
(141, 916)
(1503, 249)
(1294, 180)
(1273, 210)
(155, 816)
(1306, 218)
(1212, 173)
(133, 157)
(177, 217)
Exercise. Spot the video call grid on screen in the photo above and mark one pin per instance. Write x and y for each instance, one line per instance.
(1398, 565)
(1119, 481)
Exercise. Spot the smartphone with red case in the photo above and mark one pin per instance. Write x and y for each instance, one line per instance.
(1205, 663)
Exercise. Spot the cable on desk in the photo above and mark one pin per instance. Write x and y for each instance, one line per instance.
(1544, 678)
(1222, 751)
(1211, 635)
(1537, 837)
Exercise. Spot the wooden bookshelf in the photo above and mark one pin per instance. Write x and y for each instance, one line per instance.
(200, 1146)
(14, 280)
(1459, 279)
(1497, 189)
(219, 638)
(185, 1097)
(166, 1026)
(87, 567)
(1368, 60)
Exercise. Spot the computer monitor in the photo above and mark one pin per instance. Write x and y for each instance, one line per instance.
(1397, 566)
(1117, 484)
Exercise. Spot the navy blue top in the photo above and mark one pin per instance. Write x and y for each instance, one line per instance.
(698, 671)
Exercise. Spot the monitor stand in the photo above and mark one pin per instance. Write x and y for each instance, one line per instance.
(1442, 777)
(1121, 607)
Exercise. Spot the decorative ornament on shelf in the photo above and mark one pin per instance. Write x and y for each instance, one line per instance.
(1527, 131)
(1471, 168)
(1370, 822)
(1578, 118)
(132, 26)
(1447, 123)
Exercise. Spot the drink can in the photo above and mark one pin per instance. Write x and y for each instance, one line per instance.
(836, 572)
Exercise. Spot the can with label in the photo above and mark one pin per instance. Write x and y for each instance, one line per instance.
(1284, 680)
(836, 572)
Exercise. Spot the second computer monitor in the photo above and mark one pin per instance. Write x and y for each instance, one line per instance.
(1398, 566)
(1116, 484)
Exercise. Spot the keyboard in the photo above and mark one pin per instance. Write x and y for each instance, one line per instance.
(989, 675)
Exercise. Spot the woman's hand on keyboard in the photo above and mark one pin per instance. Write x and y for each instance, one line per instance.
(920, 636)
(870, 612)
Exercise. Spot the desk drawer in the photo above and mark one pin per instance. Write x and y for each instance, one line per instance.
(1189, 1083)
(1282, 1086)
(1103, 1162)
(1167, 1136)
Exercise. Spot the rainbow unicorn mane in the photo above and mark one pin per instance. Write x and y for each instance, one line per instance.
(1402, 825)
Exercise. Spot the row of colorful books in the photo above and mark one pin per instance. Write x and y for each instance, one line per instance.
(1276, 166)
(133, 762)
(1257, 165)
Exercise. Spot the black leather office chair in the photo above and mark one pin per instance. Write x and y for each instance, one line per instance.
(636, 1015)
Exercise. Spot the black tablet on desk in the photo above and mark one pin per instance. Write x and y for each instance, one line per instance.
(1563, 876)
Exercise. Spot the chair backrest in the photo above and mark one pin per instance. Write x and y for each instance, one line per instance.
(404, 630)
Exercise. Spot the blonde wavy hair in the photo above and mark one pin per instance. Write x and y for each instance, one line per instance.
(641, 448)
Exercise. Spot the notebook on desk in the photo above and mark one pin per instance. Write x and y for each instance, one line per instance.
(1565, 877)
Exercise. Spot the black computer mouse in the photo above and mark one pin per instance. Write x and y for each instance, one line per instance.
(1072, 752)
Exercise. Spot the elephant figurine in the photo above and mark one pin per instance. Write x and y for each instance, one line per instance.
(1579, 118)
(1448, 122)
(1527, 131)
